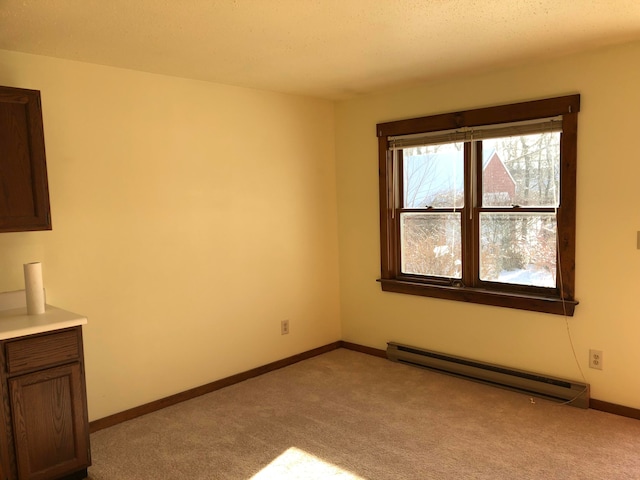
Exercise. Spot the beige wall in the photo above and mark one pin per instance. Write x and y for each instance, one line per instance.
(189, 219)
(608, 263)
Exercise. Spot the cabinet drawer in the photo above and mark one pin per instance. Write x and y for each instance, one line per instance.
(42, 351)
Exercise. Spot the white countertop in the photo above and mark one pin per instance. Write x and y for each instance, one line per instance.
(15, 322)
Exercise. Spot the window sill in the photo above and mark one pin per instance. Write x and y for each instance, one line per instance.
(535, 303)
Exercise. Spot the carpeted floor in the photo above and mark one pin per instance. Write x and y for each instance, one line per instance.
(347, 415)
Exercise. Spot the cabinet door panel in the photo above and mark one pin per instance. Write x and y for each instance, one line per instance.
(49, 422)
(24, 191)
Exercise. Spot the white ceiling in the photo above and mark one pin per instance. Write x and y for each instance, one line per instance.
(326, 48)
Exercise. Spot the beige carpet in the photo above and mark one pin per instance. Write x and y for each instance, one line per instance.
(347, 415)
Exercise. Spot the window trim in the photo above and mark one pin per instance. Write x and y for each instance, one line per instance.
(562, 301)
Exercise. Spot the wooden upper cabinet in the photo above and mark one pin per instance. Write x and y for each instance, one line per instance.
(24, 191)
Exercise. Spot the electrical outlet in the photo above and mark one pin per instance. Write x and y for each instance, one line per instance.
(284, 327)
(595, 359)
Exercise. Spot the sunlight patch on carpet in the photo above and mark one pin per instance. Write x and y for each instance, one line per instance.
(298, 464)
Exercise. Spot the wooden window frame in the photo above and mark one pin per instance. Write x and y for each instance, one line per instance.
(558, 301)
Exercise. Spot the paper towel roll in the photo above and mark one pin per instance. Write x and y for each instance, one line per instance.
(34, 288)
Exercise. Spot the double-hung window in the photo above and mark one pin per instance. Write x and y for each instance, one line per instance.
(479, 205)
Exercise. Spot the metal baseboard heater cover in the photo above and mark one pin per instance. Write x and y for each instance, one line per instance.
(557, 389)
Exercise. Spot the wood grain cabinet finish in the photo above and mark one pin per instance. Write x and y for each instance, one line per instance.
(24, 190)
(45, 397)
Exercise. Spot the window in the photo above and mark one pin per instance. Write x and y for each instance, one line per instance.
(479, 206)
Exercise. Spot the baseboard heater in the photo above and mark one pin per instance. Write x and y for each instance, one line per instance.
(573, 393)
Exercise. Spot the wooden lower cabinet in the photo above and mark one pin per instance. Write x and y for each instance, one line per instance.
(44, 395)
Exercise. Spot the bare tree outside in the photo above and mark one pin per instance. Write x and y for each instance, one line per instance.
(520, 247)
(516, 246)
(433, 178)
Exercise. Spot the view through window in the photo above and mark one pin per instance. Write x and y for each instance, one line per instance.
(480, 205)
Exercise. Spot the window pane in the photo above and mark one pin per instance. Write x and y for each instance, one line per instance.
(522, 170)
(518, 248)
(433, 176)
(431, 244)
